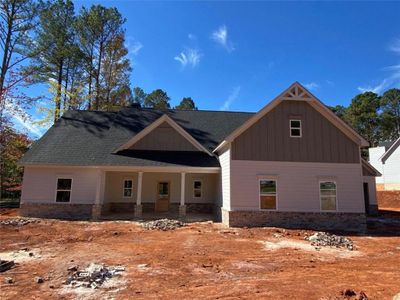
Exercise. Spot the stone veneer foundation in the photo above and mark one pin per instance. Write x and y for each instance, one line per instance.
(56, 210)
(306, 220)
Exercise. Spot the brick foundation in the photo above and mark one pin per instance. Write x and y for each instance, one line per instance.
(56, 210)
(303, 220)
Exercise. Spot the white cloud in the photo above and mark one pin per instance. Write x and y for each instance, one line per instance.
(220, 36)
(189, 57)
(395, 46)
(231, 98)
(192, 37)
(312, 86)
(22, 120)
(133, 45)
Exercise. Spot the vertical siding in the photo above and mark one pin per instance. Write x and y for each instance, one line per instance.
(269, 138)
(39, 184)
(164, 138)
(225, 162)
(297, 185)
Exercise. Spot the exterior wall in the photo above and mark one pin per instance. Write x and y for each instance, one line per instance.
(164, 138)
(297, 185)
(225, 162)
(391, 171)
(374, 159)
(114, 187)
(270, 139)
(371, 189)
(39, 185)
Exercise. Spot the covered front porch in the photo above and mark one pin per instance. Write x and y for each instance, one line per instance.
(151, 193)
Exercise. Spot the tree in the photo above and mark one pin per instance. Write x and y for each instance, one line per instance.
(115, 75)
(157, 99)
(138, 96)
(338, 110)
(17, 19)
(186, 103)
(390, 116)
(362, 114)
(55, 42)
(12, 146)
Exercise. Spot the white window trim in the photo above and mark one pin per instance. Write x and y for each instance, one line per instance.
(300, 128)
(276, 193)
(201, 189)
(336, 195)
(123, 188)
(70, 190)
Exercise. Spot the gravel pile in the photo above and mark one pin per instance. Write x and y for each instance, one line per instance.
(162, 224)
(18, 222)
(93, 276)
(326, 239)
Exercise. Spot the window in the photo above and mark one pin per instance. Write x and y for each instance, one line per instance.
(128, 186)
(197, 186)
(267, 194)
(327, 192)
(295, 128)
(64, 186)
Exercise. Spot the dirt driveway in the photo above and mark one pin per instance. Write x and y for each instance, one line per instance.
(198, 261)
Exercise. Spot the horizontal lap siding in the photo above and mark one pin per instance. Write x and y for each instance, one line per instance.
(391, 168)
(269, 139)
(225, 162)
(114, 187)
(39, 185)
(297, 185)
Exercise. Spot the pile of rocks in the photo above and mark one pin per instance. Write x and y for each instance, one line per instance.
(93, 276)
(18, 221)
(326, 239)
(162, 224)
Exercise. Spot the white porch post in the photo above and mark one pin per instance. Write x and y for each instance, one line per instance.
(98, 203)
(182, 206)
(138, 206)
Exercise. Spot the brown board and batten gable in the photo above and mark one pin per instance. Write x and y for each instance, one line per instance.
(269, 138)
(164, 138)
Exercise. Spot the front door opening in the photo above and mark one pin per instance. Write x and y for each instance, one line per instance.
(162, 202)
(366, 197)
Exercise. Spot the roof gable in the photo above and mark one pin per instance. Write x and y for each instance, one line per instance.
(390, 151)
(156, 124)
(296, 92)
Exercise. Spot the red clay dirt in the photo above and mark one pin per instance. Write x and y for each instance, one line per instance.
(199, 261)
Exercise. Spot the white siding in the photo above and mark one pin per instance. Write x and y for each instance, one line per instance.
(297, 185)
(374, 159)
(371, 189)
(225, 162)
(114, 184)
(39, 184)
(391, 170)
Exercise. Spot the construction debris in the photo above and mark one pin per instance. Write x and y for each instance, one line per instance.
(18, 221)
(39, 279)
(351, 294)
(326, 239)
(6, 265)
(163, 224)
(93, 276)
(8, 280)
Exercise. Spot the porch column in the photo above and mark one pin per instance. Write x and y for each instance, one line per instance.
(98, 203)
(182, 206)
(138, 206)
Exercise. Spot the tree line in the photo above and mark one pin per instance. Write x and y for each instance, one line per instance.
(376, 118)
(81, 57)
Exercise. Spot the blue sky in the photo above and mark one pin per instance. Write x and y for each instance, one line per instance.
(239, 55)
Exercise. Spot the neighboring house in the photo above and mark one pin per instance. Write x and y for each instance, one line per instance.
(386, 159)
(293, 163)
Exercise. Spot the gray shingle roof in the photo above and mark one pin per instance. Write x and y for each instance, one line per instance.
(84, 138)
